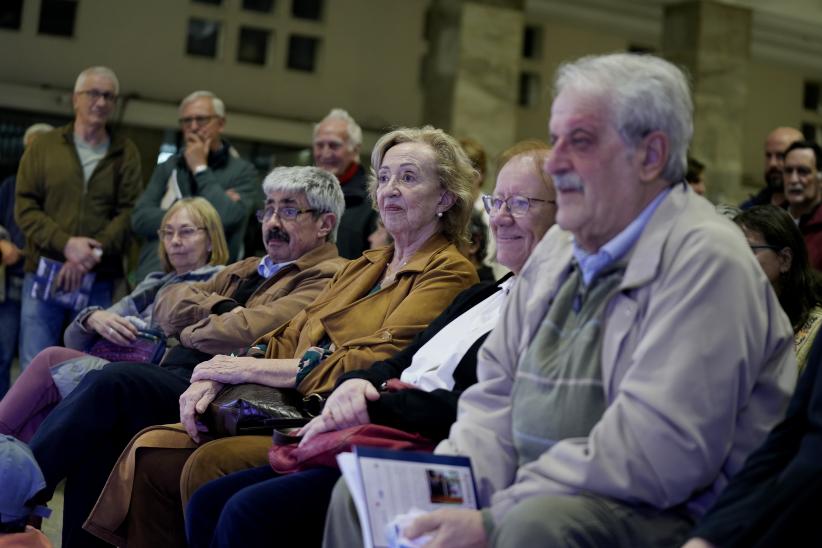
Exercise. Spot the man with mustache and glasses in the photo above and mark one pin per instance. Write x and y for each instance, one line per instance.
(220, 316)
(775, 145)
(616, 396)
(802, 173)
(208, 166)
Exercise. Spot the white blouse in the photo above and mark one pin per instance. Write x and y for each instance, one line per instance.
(434, 363)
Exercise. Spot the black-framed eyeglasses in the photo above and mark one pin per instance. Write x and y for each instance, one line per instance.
(96, 94)
(184, 232)
(517, 205)
(757, 247)
(284, 213)
(199, 120)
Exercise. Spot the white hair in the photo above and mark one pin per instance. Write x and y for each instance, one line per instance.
(321, 189)
(645, 93)
(33, 130)
(216, 103)
(105, 72)
(351, 128)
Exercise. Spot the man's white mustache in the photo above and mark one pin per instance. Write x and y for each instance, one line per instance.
(568, 182)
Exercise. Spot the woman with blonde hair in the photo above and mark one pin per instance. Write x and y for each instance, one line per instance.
(192, 249)
(421, 185)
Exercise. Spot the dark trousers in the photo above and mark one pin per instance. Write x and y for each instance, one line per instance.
(258, 507)
(85, 434)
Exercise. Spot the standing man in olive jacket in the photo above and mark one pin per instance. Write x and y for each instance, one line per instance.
(208, 166)
(76, 187)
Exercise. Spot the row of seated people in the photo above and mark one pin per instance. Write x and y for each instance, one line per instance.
(631, 364)
(207, 167)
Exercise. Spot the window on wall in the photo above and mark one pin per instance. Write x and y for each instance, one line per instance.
(262, 6)
(57, 17)
(11, 14)
(810, 99)
(640, 49)
(528, 89)
(253, 46)
(531, 42)
(307, 9)
(202, 37)
(302, 52)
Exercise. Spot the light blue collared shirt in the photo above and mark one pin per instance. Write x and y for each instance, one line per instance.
(591, 264)
(268, 268)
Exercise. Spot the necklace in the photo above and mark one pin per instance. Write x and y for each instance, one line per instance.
(391, 272)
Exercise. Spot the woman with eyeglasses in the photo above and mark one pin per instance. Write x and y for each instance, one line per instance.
(774, 499)
(375, 305)
(192, 249)
(780, 249)
(416, 390)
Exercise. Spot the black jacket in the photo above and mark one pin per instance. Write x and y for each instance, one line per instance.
(429, 413)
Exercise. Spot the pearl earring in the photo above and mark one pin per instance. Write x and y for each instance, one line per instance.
(439, 214)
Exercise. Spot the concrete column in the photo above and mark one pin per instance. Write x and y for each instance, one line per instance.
(472, 70)
(712, 41)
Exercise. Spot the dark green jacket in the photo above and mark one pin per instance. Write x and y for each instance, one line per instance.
(53, 205)
(225, 171)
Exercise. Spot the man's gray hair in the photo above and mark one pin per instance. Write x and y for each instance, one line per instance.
(353, 130)
(321, 189)
(216, 102)
(97, 71)
(646, 94)
(34, 130)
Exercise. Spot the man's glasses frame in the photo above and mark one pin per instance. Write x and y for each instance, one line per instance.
(95, 95)
(286, 213)
(199, 120)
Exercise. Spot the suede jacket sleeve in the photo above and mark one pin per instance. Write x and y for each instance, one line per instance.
(187, 312)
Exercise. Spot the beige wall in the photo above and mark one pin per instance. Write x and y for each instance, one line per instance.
(561, 41)
(368, 63)
(774, 99)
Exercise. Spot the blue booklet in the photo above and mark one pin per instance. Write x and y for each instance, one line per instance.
(388, 484)
(45, 286)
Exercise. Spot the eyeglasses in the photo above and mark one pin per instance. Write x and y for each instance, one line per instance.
(96, 94)
(774, 248)
(284, 213)
(517, 205)
(184, 232)
(200, 120)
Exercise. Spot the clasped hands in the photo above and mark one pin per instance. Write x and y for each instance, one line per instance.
(82, 254)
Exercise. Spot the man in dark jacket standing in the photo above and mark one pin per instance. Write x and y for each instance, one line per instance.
(76, 187)
(209, 167)
(337, 141)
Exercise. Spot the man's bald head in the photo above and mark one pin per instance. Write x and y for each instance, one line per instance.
(776, 144)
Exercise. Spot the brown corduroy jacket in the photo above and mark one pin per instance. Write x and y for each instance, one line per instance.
(185, 310)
